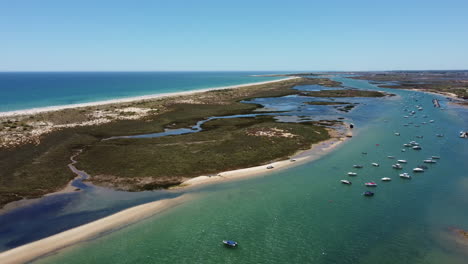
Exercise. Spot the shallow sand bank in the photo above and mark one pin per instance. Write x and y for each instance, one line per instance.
(53, 243)
(123, 218)
(33, 111)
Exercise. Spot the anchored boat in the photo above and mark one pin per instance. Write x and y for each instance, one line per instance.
(352, 174)
(386, 179)
(405, 175)
(345, 182)
(230, 243)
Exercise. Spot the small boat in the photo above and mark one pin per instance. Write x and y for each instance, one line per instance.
(292, 160)
(364, 153)
(435, 157)
(429, 161)
(397, 166)
(402, 161)
(418, 170)
(403, 150)
(367, 193)
(405, 175)
(431, 121)
(391, 157)
(230, 243)
(397, 134)
(352, 174)
(375, 164)
(270, 167)
(423, 167)
(406, 145)
(386, 179)
(417, 147)
(345, 182)
(419, 136)
(439, 135)
(358, 166)
(370, 184)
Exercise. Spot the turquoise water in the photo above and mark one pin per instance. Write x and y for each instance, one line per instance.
(304, 215)
(25, 90)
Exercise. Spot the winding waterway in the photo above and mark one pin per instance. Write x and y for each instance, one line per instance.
(304, 214)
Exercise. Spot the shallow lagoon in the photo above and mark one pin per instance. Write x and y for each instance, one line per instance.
(304, 214)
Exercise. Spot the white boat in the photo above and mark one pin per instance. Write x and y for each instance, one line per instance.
(406, 145)
(402, 161)
(386, 179)
(405, 175)
(352, 174)
(345, 182)
(416, 147)
(270, 167)
(435, 157)
(439, 135)
(370, 184)
(397, 134)
(391, 157)
(403, 150)
(431, 121)
(429, 161)
(375, 164)
(397, 166)
(418, 170)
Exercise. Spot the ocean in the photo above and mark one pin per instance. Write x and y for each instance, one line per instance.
(299, 215)
(26, 90)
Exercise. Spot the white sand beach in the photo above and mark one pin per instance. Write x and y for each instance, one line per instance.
(33, 111)
(132, 215)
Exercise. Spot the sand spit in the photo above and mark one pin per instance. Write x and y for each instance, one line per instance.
(91, 230)
(132, 215)
(316, 151)
(33, 111)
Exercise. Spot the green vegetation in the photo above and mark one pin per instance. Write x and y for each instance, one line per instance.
(345, 108)
(455, 82)
(344, 93)
(225, 144)
(30, 170)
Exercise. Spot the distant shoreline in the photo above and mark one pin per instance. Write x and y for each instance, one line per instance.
(32, 111)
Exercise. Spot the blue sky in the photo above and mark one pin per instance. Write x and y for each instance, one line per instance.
(232, 35)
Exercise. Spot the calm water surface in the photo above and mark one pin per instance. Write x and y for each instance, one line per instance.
(304, 215)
